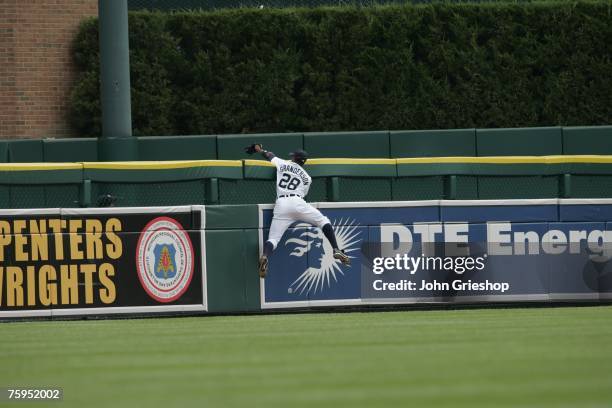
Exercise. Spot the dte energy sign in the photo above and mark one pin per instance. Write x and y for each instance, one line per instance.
(445, 251)
(96, 261)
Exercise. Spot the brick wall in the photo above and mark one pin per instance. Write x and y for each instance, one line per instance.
(36, 72)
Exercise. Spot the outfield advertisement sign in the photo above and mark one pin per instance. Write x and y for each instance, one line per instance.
(102, 261)
(445, 251)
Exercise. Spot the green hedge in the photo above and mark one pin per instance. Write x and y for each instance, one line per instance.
(389, 67)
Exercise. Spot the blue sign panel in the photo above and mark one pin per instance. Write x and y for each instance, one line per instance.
(447, 253)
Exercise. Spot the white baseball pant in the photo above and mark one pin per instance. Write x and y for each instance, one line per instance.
(288, 210)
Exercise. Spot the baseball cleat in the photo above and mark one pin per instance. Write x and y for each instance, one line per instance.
(341, 256)
(263, 266)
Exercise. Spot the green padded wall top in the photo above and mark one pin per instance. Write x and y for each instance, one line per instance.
(231, 147)
(25, 151)
(262, 169)
(352, 167)
(433, 143)
(70, 150)
(519, 141)
(507, 165)
(3, 151)
(162, 171)
(347, 144)
(587, 140)
(259, 169)
(41, 173)
(203, 147)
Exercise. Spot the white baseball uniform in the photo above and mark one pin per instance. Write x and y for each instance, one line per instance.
(292, 185)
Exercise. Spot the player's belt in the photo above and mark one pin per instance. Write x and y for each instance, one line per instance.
(290, 195)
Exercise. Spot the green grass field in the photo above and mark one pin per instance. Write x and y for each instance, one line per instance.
(539, 357)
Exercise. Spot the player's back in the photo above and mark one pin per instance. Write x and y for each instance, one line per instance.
(291, 178)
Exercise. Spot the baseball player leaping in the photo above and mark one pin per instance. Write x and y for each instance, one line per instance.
(292, 185)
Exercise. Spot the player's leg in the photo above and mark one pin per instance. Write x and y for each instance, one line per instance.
(277, 229)
(280, 222)
(313, 216)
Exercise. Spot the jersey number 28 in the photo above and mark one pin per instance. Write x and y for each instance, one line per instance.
(288, 182)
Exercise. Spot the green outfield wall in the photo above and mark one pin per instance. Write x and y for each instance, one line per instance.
(379, 144)
(234, 182)
(543, 162)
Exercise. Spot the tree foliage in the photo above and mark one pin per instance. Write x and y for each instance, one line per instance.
(330, 69)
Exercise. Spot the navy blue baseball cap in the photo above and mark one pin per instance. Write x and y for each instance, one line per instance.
(299, 155)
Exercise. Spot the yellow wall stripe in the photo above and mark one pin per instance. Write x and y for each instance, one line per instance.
(263, 163)
(39, 166)
(579, 159)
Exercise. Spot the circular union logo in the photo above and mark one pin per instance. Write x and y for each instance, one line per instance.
(164, 259)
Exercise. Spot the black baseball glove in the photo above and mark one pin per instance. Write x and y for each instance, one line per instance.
(251, 149)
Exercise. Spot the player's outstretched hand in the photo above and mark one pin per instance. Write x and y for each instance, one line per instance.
(254, 148)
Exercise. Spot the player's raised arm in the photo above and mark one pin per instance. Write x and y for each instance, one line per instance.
(258, 148)
(266, 154)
